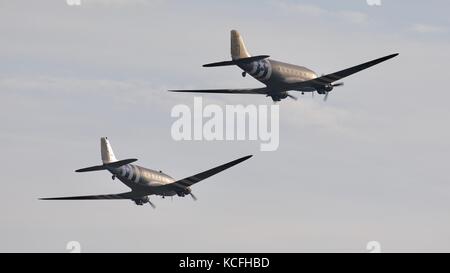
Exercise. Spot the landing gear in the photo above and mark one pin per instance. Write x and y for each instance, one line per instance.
(113, 177)
(244, 74)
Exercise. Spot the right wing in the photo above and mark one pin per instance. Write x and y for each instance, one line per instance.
(191, 180)
(125, 195)
(330, 78)
(258, 91)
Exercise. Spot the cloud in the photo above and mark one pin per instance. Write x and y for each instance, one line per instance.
(121, 2)
(123, 92)
(425, 28)
(349, 16)
(355, 17)
(311, 10)
(318, 115)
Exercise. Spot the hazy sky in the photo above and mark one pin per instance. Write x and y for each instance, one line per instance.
(369, 164)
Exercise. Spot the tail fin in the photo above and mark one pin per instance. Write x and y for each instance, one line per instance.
(107, 151)
(238, 49)
(108, 158)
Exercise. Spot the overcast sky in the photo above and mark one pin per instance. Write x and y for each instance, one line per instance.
(369, 164)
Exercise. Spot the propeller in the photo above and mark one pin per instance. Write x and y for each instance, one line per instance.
(329, 90)
(193, 196)
(151, 204)
(292, 97)
(326, 96)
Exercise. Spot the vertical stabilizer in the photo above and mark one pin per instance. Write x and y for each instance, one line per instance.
(238, 49)
(107, 151)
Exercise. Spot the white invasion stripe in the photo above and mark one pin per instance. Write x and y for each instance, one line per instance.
(130, 175)
(254, 67)
(269, 72)
(260, 73)
(138, 174)
(264, 69)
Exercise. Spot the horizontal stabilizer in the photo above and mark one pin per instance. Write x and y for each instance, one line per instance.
(238, 61)
(115, 164)
(262, 91)
(121, 162)
(91, 169)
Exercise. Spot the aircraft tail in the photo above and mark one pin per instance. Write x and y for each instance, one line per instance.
(238, 49)
(107, 151)
(108, 158)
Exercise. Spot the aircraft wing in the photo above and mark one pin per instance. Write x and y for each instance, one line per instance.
(262, 91)
(125, 195)
(191, 180)
(330, 78)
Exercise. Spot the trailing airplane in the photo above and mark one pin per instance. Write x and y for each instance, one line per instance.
(143, 182)
(279, 77)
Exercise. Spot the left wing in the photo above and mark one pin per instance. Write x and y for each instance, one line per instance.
(191, 180)
(262, 91)
(125, 195)
(330, 78)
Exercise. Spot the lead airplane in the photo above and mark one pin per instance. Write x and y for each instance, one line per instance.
(143, 182)
(279, 77)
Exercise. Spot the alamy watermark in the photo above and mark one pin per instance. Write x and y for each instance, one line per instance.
(73, 2)
(375, 3)
(373, 247)
(73, 247)
(235, 122)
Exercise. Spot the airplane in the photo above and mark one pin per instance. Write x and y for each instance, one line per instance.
(279, 77)
(143, 182)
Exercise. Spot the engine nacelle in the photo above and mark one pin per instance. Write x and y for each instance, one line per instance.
(325, 89)
(184, 193)
(279, 96)
(328, 88)
(141, 201)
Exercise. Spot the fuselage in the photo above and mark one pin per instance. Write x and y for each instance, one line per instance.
(142, 179)
(275, 74)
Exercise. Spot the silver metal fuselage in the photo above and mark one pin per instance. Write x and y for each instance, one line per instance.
(142, 179)
(275, 75)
